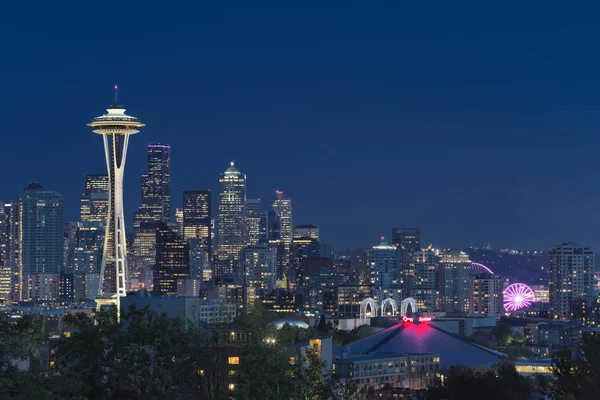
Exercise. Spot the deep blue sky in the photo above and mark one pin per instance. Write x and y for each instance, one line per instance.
(469, 121)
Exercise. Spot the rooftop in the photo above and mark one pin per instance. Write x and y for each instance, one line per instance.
(426, 339)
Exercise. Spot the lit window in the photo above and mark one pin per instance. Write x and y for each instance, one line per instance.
(231, 386)
(231, 372)
(200, 372)
(233, 360)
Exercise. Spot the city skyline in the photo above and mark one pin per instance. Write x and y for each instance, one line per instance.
(478, 112)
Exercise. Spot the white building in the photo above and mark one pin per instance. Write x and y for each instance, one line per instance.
(571, 276)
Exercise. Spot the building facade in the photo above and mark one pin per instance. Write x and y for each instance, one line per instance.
(571, 276)
(197, 218)
(454, 281)
(487, 295)
(94, 201)
(37, 251)
(157, 199)
(383, 265)
(230, 220)
(252, 217)
(260, 267)
(172, 261)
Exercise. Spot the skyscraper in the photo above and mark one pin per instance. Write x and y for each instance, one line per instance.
(115, 127)
(4, 233)
(282, 207)
(454, 281)
(155, 208)
(260, 266)
(230, 220)
(158, 194)
(94, 202)
(571, 276)
(179, 220)
(196, 218)
(422, 286)
(172, 261)
(252, 219)
(383, 263)
(37, 243)
(408, 238)
(306, 231)
(487, 295)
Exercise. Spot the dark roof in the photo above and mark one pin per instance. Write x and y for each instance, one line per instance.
(34, 186)
(424, 338)
(305, 227)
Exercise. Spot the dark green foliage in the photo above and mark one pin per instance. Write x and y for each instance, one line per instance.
(577, 371)
(501, 383)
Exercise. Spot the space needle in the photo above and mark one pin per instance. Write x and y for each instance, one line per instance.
(115, 127)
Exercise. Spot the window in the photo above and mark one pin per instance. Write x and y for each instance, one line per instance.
(233, 360)
(231, 386)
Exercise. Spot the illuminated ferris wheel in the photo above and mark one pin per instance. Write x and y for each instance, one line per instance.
(517, 297)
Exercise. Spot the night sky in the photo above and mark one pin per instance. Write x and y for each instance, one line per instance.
(471, 122)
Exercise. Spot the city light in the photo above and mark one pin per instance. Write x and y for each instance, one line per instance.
(517, 297)
(419, 319)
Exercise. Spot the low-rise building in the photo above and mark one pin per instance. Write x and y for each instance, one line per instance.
(378, 370)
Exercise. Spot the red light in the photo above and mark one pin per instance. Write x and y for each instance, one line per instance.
(419, 319)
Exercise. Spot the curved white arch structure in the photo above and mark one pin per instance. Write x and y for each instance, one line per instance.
(372, 304)
(409, 301)
(392, 303)
(478, 268)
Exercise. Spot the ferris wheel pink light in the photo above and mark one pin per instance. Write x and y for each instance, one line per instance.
(517, 297)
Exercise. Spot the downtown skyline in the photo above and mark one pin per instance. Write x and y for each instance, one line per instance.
(464, 127)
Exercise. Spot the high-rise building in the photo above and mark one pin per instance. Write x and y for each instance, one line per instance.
(407, 238)
(305, 231)
(283, 211)
(4, 233)
(487, 295)
(6, 284)
(94, 202)
(196, 218)
(230, 220)
(260, 266)
(155, 208)
(37, 247)
(383, 264)
(179, 220)
(571, 277)
(422, 285)
(455, 281)
(157, 200)
(172, 261)
(252, 217)
(115, 127)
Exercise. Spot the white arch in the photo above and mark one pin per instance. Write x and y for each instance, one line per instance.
(392, 302)
(409, 301)
(368, 302)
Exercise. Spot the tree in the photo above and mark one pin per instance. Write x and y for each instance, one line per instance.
(462, 383)
(577, 371)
